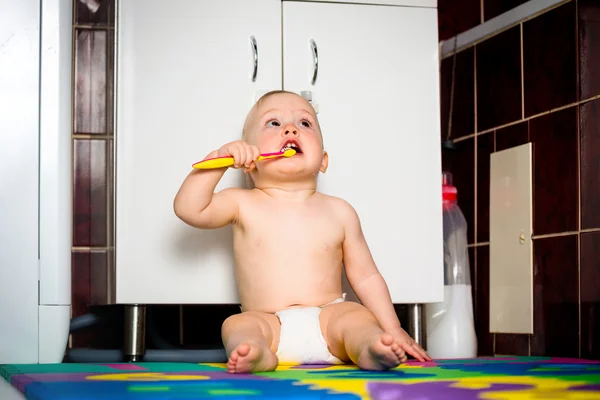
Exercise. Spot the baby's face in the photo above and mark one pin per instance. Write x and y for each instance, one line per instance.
(285, 121)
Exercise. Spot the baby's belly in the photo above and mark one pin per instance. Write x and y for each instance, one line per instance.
(271, 288)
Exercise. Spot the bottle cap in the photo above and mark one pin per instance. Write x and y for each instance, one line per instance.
(449, 192)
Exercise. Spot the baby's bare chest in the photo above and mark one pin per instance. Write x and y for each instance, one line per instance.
(293, 230)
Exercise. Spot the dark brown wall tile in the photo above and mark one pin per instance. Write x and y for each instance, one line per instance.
(90, 192)
(589, 48)
(80, 282)
(90, 81)
(461, 163)
(556, 297)
(202, 324)
(499, 79)
(555, 138)
(485, 146)
(590, 295)
(106, 335)
(463, 108)
(512, 136)
(457, 16)
(110, 68)
(589, 118)
(550, 60)
(95, 12)
(485, 340)
(511, 344)
(493, 8)
(102, 277)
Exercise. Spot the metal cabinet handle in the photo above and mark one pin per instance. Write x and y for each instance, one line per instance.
(255, 52)
(313, 46)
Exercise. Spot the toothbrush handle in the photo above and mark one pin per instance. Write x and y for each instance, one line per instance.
(227, 161)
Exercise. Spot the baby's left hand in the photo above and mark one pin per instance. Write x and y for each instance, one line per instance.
(409, 345)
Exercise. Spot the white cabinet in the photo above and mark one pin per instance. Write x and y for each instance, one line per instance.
(376, 90)
(185, 84)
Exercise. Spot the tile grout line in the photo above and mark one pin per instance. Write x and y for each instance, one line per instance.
(82, 249)
(478, 244)
(475, 216)
(475, 219)
(91, 27)
(516, 122)
(554, 235)
(474, 266)
(463, 138)
(481, 11)
(579, 222)
(92, 136)
(475, 110)
(579, 293)
(522, 73)
(589, 230)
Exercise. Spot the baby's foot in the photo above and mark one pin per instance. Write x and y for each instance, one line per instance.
(250, 357)
(380, 352)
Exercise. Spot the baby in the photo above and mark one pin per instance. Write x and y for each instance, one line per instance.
(290, 244)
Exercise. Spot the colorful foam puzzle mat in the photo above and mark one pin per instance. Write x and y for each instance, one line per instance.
(480, 378)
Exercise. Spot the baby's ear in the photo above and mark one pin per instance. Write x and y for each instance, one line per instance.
(324, 162)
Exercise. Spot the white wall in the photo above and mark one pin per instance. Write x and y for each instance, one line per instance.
(19, 116)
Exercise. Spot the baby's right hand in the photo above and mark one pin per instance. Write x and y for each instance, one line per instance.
(243, 154)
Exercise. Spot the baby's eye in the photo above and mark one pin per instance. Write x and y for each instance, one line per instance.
(305, 123)
(273, 122)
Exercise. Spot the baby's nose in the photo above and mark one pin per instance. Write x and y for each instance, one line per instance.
(290, 130)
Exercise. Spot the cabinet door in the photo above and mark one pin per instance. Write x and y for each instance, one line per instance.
(377, 95)
(184, 86)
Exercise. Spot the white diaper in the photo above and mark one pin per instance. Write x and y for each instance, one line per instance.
(301, 340)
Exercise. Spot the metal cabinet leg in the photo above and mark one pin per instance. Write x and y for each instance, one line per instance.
(416, 324)
(135, 332)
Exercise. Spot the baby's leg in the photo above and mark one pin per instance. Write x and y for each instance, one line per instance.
(352, 332)
(251, 340)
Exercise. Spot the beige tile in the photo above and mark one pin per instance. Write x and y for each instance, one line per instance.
(511, 249)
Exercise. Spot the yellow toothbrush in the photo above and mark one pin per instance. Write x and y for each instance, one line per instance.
(227, 161)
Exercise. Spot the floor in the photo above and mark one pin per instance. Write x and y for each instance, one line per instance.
(481, 378)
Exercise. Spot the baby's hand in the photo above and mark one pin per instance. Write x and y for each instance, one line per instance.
(243, 154)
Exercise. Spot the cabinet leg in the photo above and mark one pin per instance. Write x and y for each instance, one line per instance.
(135, 332)
(416, 324)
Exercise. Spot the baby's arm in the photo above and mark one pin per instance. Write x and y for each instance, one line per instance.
(198, 205)
(368, 283)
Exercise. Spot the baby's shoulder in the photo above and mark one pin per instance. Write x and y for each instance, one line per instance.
(333, 200)
(339, 206)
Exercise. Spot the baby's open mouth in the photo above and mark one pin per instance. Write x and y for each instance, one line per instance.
(292, 145)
